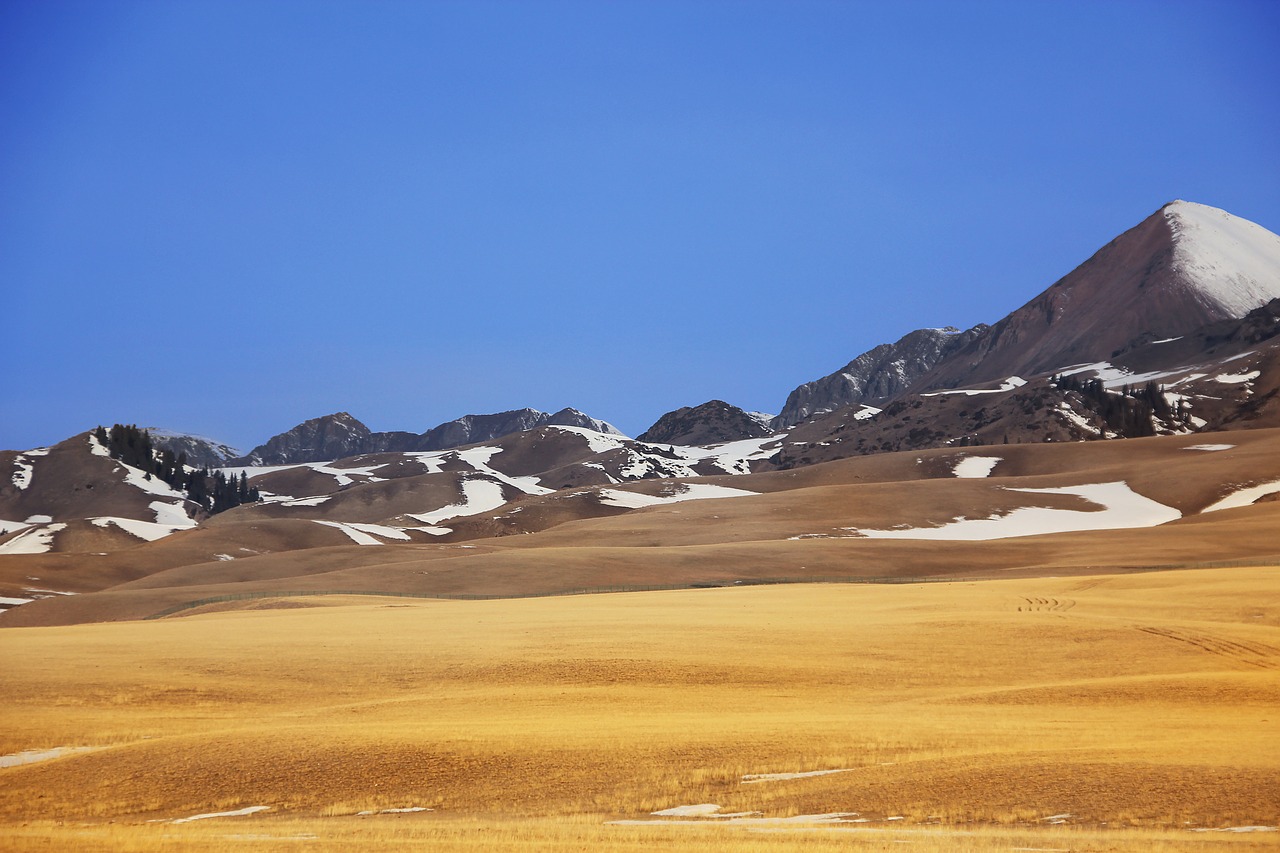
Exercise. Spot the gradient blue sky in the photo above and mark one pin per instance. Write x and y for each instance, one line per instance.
(227, 217)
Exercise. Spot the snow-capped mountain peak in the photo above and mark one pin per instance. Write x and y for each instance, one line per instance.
(1230, 262)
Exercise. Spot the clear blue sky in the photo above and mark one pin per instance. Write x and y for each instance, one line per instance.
(227, 217)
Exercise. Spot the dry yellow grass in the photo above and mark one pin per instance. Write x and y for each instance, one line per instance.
(1140, 705)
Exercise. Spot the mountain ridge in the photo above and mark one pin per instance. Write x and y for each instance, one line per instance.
(340, 435)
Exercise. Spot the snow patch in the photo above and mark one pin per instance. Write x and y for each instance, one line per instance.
(33, 756)
(409, 810)
(315, 500)
(1074, 417)
(778, 777)
(700, 810)
(7, 527)
(597, 442)
(435, 531)
(23, 471)
(381, 530)
(433, 461)
(344, 476)
(237, 813)
(172, 515)
(1243, 497)
(1007, 385)
(37, 540)
(478, 458)
(356, 535)
(252, 471)
(149, 484)
(1120, 508)
(1237, 378)
(149, 531)
(708, 812)
(687, 492)
(732, 457)
(1210, 448)
(976, 467)
(478, 495)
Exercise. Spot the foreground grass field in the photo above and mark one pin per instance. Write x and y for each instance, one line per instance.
(1094, 713)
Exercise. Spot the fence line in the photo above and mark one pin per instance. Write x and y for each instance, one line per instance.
(719, 584)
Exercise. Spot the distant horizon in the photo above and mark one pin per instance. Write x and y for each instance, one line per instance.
(227, 218)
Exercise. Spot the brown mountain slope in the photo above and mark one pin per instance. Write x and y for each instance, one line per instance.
(1164, 277)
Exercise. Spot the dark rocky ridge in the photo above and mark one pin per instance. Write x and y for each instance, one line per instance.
(712, 422)
(340, 435)
(317, 440)
(877, 376)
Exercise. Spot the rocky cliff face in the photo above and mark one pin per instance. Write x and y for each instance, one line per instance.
(711, 423)
(876, 376)
(317, 440)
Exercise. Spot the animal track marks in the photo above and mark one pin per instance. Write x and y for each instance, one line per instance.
(1249, 653)
(1031, 605)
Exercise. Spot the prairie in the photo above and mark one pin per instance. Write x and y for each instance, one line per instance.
(1085, 713)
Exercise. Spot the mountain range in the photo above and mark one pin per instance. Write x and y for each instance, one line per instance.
(1168, 334)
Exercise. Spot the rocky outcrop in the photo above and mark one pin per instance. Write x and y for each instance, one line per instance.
(317, 440)
(711, 423)
(876, 376)
(470, 429)
(201, 452)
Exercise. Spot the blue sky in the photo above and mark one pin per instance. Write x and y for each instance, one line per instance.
(228, 217)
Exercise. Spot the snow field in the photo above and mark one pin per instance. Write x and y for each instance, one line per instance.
(1119, 508)
(150, 530)
(1243, 497)
(38, 540)
(689, 492)
(478, 496)
(363, 534)
(1007, 385)
(1233, 262)
(597, 442)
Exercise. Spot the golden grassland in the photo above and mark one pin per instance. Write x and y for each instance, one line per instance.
(1140, 707)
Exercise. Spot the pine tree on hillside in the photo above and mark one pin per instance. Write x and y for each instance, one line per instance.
(214, 492)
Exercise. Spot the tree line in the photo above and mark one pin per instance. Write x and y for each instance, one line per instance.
(1130, 412)
(214, 491)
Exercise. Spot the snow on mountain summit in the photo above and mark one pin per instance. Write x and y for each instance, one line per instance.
(1230, 262)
